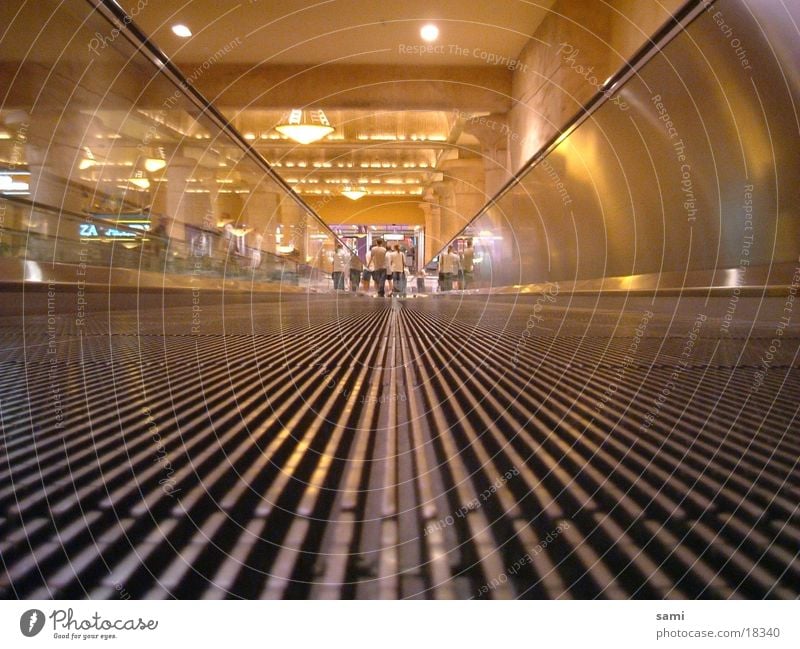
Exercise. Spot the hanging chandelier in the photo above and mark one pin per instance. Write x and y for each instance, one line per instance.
(305, 126)
(353, 193)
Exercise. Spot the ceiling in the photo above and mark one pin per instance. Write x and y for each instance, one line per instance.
(387, 153)
(352, 31)
(353, 57)
(398, 116)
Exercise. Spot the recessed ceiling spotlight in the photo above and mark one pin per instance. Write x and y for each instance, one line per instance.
(182, 31)
(429, 32)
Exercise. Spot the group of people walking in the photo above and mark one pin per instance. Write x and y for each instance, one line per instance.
(385, 264)
(455, 271)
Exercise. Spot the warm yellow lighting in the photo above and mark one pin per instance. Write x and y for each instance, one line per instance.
(354, 193)
(429, 33)
(305, 126)
(9, 186)
(139, 180)
(182, 31)
(86, 163)
(562, 137)
(154, 164)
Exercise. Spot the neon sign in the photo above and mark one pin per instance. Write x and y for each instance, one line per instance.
(135, 229)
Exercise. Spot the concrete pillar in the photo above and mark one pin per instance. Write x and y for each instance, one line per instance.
(47, 143)
(446, 196)
(158, 206)
(433, 242)
(466, 176)
(229, 206)
(294, 227)
(262, 214)
(179, 202)
(206, 202)
(493, 133)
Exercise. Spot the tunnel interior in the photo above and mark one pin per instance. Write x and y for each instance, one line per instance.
(608, 412)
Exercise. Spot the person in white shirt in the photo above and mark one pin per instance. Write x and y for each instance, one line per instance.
(341, 261)
(389, 258)
(398, 268)
(449, 264)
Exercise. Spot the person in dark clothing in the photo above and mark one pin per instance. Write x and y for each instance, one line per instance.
(355, 273)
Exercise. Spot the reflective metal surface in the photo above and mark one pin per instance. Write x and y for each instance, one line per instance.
(691, 165)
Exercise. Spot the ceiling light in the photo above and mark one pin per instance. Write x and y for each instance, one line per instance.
(429, 33)
(154, 164)
(87, 163)
(353, 193)
(139, 180)
(305, 126)
(182, 31)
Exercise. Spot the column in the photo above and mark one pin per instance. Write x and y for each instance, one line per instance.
(493, 133)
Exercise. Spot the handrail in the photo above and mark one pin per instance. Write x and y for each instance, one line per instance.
(675, 25)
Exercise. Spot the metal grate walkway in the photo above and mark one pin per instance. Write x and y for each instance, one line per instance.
(367, 448)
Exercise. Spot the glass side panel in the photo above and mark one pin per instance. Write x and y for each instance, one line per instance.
(106, 160)
(691, 166)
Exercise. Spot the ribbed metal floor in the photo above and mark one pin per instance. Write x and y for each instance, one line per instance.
(430, 448)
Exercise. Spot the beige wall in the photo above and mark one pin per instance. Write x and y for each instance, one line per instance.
(548, 89)
(377, 210)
